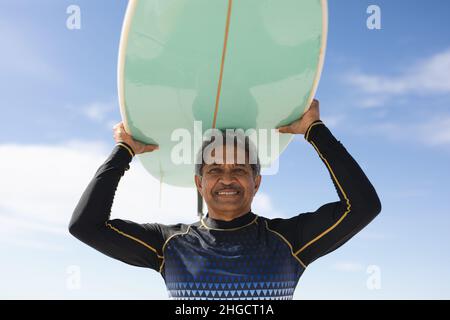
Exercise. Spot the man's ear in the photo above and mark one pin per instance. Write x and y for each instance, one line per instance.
(257, 183)
(198, 183)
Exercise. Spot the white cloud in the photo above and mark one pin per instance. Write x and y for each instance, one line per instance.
(262, 206)
(33, 243)
(99, 111)
(41, 185)
(348, 267)
(436, 131)
(427, 76)
(332, 121)
(14, 224)
(371, 102)
(433, 132)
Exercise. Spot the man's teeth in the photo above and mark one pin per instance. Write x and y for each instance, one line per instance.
(227, 192)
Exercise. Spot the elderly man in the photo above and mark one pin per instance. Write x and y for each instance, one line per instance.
(232, 252)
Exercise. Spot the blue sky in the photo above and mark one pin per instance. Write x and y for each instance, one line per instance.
(385, 94)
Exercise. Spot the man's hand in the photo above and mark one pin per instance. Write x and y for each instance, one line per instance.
(120, 135)
(301, 125)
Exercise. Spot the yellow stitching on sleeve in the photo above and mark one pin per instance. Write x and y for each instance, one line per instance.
(309, 129)
(288, 243)
(135, 239)
(342, 217)
(123, 145)
(160, 268)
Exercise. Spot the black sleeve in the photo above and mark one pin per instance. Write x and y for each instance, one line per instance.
(314, 234)
(133, 243)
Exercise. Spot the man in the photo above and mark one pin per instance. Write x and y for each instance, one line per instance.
(231, 253)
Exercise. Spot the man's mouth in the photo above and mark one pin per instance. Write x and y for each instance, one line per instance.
(227, 193)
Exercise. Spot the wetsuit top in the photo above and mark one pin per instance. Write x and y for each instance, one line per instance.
(250, 257)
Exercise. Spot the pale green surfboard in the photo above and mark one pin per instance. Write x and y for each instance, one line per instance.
(230, 64)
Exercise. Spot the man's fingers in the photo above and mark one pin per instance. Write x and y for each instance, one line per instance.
(284, 129)
(120, 134)
(151, 147)
(119, 125)
(314, 105)
(119, 130)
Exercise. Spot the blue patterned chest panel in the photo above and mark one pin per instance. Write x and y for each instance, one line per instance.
(251, 262)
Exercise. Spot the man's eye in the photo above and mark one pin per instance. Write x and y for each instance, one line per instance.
(240, 171)
(215, 170)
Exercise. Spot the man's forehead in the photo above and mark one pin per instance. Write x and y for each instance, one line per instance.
(227, 155)
(214, 164)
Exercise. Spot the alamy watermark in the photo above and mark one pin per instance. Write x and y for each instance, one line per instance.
(374, 280)
(263, 145)
(73, 21)
(374, 20)
(73, 279)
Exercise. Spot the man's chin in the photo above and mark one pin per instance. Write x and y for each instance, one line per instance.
(227, 205)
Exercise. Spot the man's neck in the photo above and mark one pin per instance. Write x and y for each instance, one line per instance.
(226, 216)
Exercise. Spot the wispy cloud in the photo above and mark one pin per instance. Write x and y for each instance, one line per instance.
(99, 111)
(433, 132)
(262, 205)
(348, 266)
(436, 131)
(333, 121)
(104, 113)
(428, 76)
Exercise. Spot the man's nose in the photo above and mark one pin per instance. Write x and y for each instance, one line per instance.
(227, 176)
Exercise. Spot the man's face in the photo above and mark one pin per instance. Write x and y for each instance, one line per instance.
(228, 188)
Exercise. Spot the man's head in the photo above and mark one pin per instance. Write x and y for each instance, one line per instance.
(227, 173)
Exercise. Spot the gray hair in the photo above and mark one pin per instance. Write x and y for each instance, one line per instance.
(230, 136)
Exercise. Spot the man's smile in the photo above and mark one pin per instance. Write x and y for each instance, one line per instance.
(227, 193)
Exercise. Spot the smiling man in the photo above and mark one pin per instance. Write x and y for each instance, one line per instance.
(227, 174)
(232, 252)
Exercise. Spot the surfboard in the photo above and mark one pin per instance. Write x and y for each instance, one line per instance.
(224, 63)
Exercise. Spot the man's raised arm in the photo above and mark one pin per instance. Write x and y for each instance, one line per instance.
(335, 223)
(315, 234)
(132, 243)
